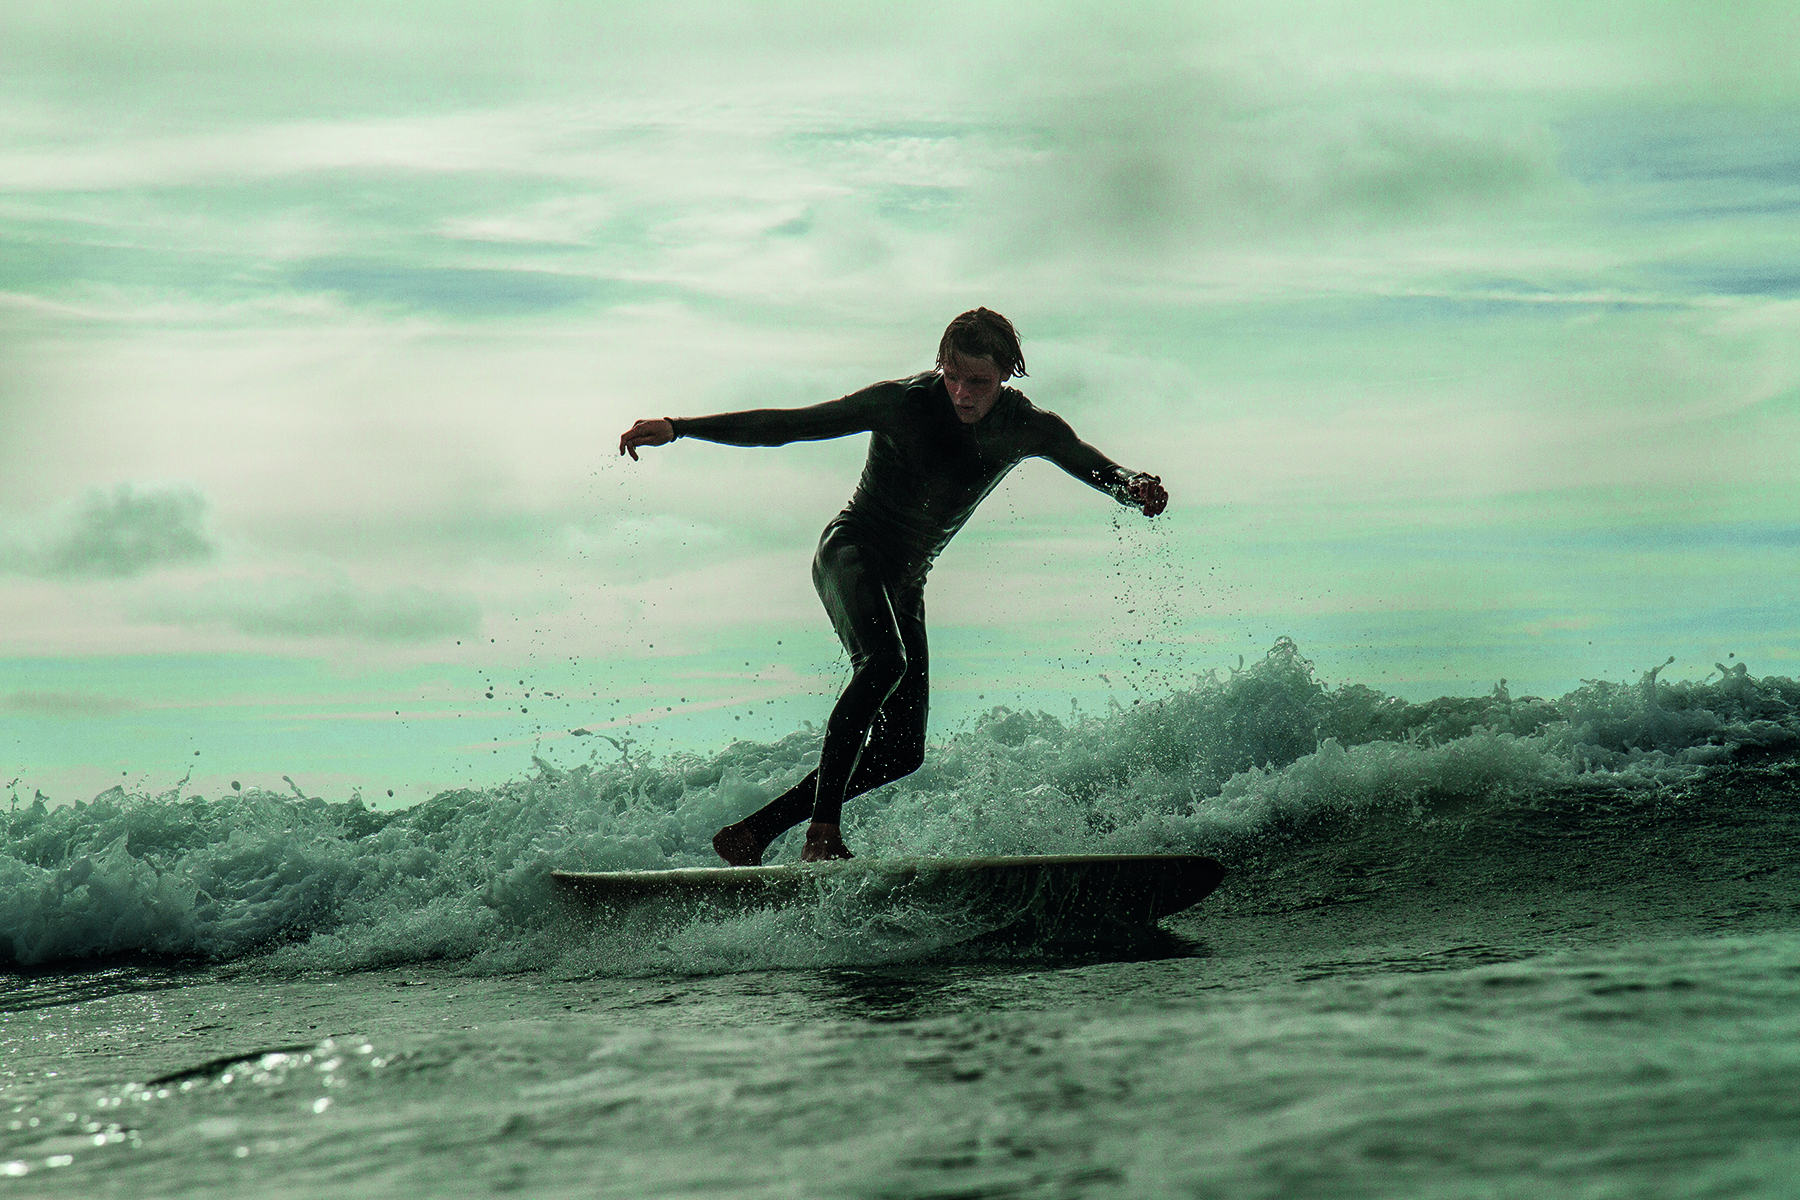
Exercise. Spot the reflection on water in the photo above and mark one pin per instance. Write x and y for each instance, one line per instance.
(23, 989)
(924, 991)
(895, 995)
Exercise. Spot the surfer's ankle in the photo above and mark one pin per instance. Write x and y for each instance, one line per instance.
(824, 842)
(738, 846)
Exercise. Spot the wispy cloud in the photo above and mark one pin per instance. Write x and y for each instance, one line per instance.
(1202, 158)
(459, 291)
(64, 705)
(113, 535)
(300, 608)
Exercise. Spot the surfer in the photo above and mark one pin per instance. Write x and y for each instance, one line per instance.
(942, 440)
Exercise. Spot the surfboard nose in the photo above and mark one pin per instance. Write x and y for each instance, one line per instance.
(1183, 883)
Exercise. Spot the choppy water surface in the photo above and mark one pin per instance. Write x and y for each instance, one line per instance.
(1475, 947)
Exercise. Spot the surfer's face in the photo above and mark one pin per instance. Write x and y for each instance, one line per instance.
(973, 384)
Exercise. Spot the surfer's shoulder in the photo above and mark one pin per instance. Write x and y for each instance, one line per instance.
(889, 392)
(1040, 425)
(921, 384)
(905, 398)
(876, 406)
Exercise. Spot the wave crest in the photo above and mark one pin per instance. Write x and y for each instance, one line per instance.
(1231, 765)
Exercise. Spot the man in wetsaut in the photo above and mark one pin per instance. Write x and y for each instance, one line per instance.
(941, 441)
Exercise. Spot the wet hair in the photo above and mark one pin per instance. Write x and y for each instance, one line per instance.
(984, 333)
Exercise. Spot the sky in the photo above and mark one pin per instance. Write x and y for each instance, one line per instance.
(1465, 343)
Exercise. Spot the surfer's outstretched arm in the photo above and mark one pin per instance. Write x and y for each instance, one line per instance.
(858, 412)
(1062, 447)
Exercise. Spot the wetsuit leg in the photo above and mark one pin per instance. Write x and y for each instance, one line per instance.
(896, 744)
(876, 732)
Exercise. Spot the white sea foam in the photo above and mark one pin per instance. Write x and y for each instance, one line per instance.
(318, 885)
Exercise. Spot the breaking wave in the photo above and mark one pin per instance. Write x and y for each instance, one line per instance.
(1236, 766)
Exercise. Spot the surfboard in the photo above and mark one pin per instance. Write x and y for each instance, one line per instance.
(1054, 897)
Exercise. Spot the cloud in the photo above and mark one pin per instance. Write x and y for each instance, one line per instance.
(70, 705)
(1204, 157)
(113, 535)
(457, 291)
(311, 609)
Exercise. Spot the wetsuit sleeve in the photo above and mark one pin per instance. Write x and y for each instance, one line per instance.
(858, 412)
(1058, 443)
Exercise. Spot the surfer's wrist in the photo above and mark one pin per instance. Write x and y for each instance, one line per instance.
(1119, 484)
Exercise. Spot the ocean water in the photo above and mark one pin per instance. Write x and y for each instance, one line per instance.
(1482, 946)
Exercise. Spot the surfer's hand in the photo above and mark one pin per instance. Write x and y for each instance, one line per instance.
(1148, 493)
(655, 432)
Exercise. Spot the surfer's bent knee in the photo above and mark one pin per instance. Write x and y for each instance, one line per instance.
(884, 668)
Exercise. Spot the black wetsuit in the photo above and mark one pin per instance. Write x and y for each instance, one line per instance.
(927, 471)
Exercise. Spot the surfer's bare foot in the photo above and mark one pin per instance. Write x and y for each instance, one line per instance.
(823, 842)
(738, 846)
